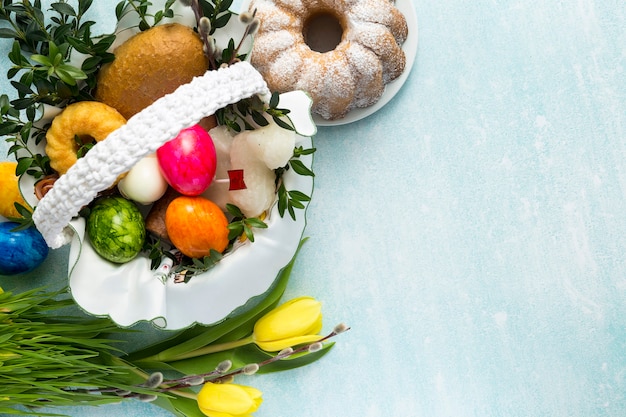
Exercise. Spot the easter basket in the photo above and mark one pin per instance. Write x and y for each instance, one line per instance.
(136, 291)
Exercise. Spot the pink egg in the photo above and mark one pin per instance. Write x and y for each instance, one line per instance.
(188, 161)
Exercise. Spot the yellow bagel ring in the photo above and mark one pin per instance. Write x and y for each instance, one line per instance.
(85, 118)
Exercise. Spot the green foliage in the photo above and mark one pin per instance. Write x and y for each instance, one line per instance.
(162, 356)
(42, 48)
(217, 11)
(42, 73)
(242, 225)
(252, 113)
(19, 134)
(25, 220)
(142, 10)
(290, 200)
(232, 328)
(199, 265)
(44, 352)
(184, 267)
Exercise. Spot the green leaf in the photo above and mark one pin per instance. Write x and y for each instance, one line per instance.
(72, 71)
(221, 21)
(65, 77)
(283, 200)
(63, 8)
(254, 222)
(280, 122)
(21, 88)
(207, 7)
(234, 210)
(91, 64)
(225, 5)
(12, 72)
(27, 78)
(83, 6)
(78, 45)
(259, 118)
(119, 9)
(15, 56)
(8, 33)
(31, 113)
(300, 168)
(274, 100)
(180, 407)
(23, 211)
(22, 165)
(42, 59)
(104, 44)
(7, 128)
(53, 51)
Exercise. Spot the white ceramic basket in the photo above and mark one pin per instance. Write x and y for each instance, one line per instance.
(132, 292)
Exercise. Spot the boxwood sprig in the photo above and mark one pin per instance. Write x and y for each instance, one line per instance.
(42, 73)
(252, 113)
(141, 8)
(242, 225)
(290, 200)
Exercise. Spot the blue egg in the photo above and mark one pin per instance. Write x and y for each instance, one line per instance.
(22, 250)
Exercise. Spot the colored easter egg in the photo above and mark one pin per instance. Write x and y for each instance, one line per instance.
(22, 250)
(144, 183)
(116, 229)
(196, 225)
(10, 190)
(188, 161)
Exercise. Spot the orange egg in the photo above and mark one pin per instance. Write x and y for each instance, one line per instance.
(196, 225)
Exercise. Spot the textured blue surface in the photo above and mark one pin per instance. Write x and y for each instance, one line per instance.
(473, 231)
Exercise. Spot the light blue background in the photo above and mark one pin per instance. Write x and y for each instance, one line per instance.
(472, 232)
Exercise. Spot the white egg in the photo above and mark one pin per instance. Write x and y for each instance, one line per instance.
(144, 183)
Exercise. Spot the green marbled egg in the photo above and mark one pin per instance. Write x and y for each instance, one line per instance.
(116, 229)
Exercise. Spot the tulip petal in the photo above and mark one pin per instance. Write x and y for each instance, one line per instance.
(277, 345)
(213, 413)
(296, 317)
(228, 400)
(316, 326)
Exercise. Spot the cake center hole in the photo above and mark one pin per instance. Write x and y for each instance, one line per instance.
(322, 32)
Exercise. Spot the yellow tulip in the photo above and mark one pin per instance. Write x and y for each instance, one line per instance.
(293, 323)
(228, 400)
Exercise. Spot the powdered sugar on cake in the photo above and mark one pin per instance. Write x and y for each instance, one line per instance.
(353, 74)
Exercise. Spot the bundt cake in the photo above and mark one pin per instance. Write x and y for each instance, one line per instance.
(342, 52)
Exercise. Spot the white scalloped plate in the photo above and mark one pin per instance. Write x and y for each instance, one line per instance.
(130, 293)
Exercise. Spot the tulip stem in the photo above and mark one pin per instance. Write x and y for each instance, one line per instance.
(204, 350)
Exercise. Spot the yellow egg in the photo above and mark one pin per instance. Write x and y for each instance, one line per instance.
(9, 190)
